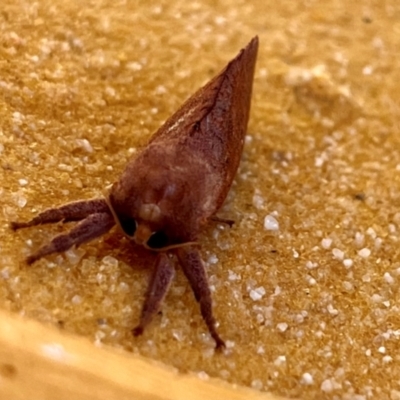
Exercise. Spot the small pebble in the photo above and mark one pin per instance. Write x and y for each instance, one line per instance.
(280, 360)
(348, 263)
(22, 182)
(364, 253)
(388, 278)
(76, 299)
(282, 326)
(307, 379)
(326, 243)
(270, 223)
(257, 294)
(338, 254)
(329, 385)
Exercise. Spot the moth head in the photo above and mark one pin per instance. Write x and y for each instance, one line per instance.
(147, 216)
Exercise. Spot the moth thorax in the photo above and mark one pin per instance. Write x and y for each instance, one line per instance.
(150, 212)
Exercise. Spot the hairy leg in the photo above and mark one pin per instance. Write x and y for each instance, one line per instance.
(193, 268)
(160, 282)
(75, 211)
(90, 228)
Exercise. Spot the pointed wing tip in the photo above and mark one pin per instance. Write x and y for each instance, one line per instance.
(251, 49)
(254, 40)
(253, 43)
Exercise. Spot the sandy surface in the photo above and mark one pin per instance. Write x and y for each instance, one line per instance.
(309, 309)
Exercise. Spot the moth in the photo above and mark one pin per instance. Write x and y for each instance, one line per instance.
(172, 188)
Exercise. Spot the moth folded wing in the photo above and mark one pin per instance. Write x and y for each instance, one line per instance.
(222, 132)
(212, 124)
(239, 70)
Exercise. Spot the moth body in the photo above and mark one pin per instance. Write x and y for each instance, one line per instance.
(172, 188)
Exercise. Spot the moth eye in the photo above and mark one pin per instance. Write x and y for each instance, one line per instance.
(158, 240)
(128, 224)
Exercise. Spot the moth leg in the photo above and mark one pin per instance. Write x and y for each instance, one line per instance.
(159, 284)
(229, 222)
(195, 272)
(75, 211)
(90, 228)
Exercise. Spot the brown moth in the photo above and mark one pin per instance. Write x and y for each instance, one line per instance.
(172, 188)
